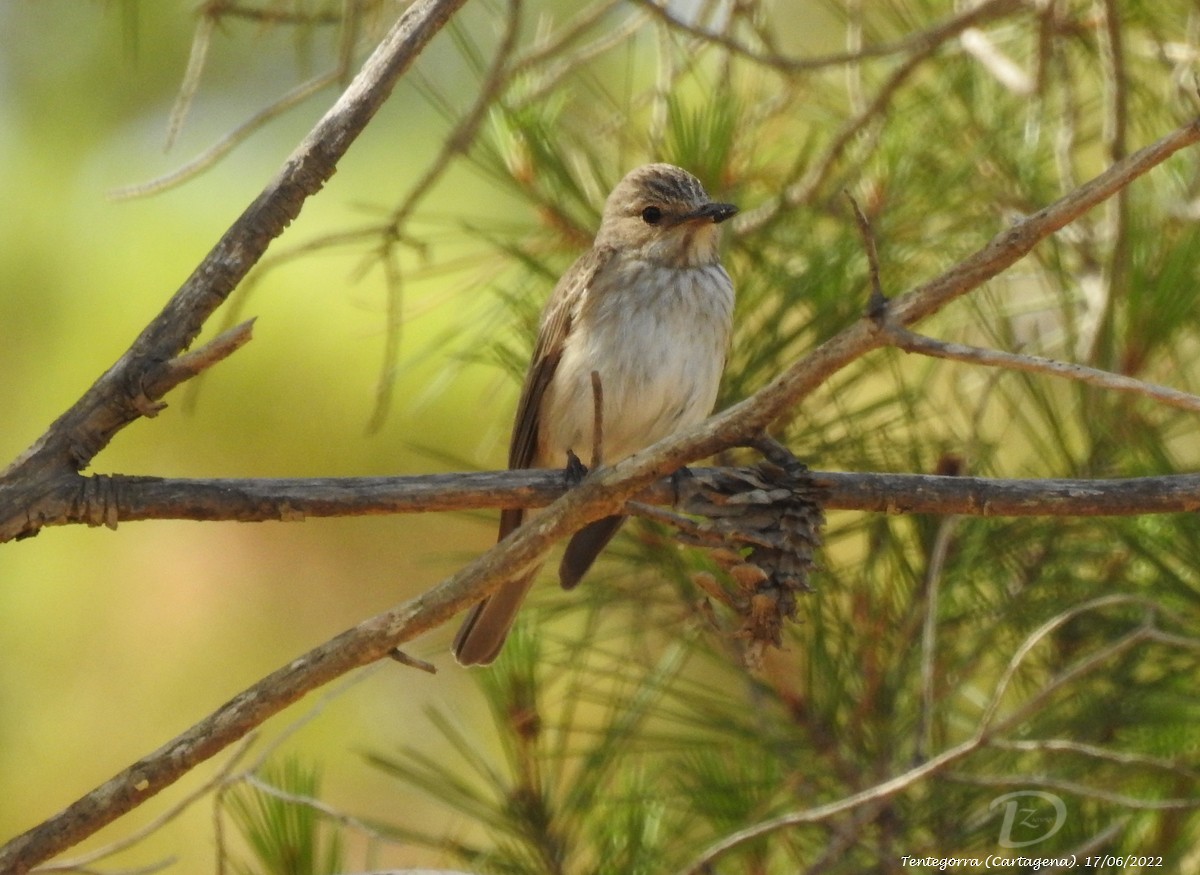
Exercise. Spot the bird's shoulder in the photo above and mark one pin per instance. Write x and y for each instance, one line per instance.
(574, 284)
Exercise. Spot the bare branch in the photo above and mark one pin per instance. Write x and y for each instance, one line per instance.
(457, 144)
(1076, 788)
(988, 722)
(191, 364)
(201, 41)
(924, 46)
(1056, 746)
(801, 379)
(227, 143)
(112, 499)
(911, 342)
(923, 41)
(157, 823)
(877, 303)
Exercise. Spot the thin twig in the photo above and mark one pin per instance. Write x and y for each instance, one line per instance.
(276, 14)
(458, 142)
(201, 41)
(801, 191)
(1116, 123)
(877, 303)
(1092, 844)
(320, 807)
(272, 746)
(1039, 635)
(597, 422)
(934, 36)
(1096, 752)
(1076, 788)
(552, 74)
(194, 362)
(398, 655)
(910, 341)
(1003, 69)
(551, 47)
(227, 143)
(934, 569)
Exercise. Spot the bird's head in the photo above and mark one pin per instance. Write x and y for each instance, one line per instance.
(662, 214)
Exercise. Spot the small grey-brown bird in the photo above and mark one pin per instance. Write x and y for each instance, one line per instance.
(650, 309)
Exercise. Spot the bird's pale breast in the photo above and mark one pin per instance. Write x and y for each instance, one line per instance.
(658, 338)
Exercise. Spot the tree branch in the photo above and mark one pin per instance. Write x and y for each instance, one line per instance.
(1004, 250)
(918, 343)
(112, 499)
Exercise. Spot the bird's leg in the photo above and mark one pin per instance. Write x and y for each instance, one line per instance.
(576, 470)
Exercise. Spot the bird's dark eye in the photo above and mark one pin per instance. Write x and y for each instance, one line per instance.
(651, 215)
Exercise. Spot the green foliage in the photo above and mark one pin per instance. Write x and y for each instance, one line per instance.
(634, 746)
(280, 822)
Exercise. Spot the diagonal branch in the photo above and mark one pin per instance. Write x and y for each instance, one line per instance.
(1004, 250)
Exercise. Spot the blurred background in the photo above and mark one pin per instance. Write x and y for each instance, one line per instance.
(401, 353)
(115, 641)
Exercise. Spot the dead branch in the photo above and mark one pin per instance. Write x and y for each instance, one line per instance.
(932, 37)
(1035, 364)
(113, 499)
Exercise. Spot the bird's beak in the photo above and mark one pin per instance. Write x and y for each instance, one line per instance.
(715, 213)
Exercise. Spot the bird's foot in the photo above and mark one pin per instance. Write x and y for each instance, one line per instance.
(680, 477)
(575, 471)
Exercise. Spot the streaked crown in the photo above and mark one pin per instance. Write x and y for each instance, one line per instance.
(662, 214)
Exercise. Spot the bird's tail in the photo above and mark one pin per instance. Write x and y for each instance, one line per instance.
(483, 631)
(482, 635)
(584, 547)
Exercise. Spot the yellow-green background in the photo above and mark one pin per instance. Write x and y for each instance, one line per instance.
(113, 642)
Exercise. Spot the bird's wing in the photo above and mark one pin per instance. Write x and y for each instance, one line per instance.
(557, 319)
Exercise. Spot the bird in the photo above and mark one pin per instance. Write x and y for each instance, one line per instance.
(649, 309)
